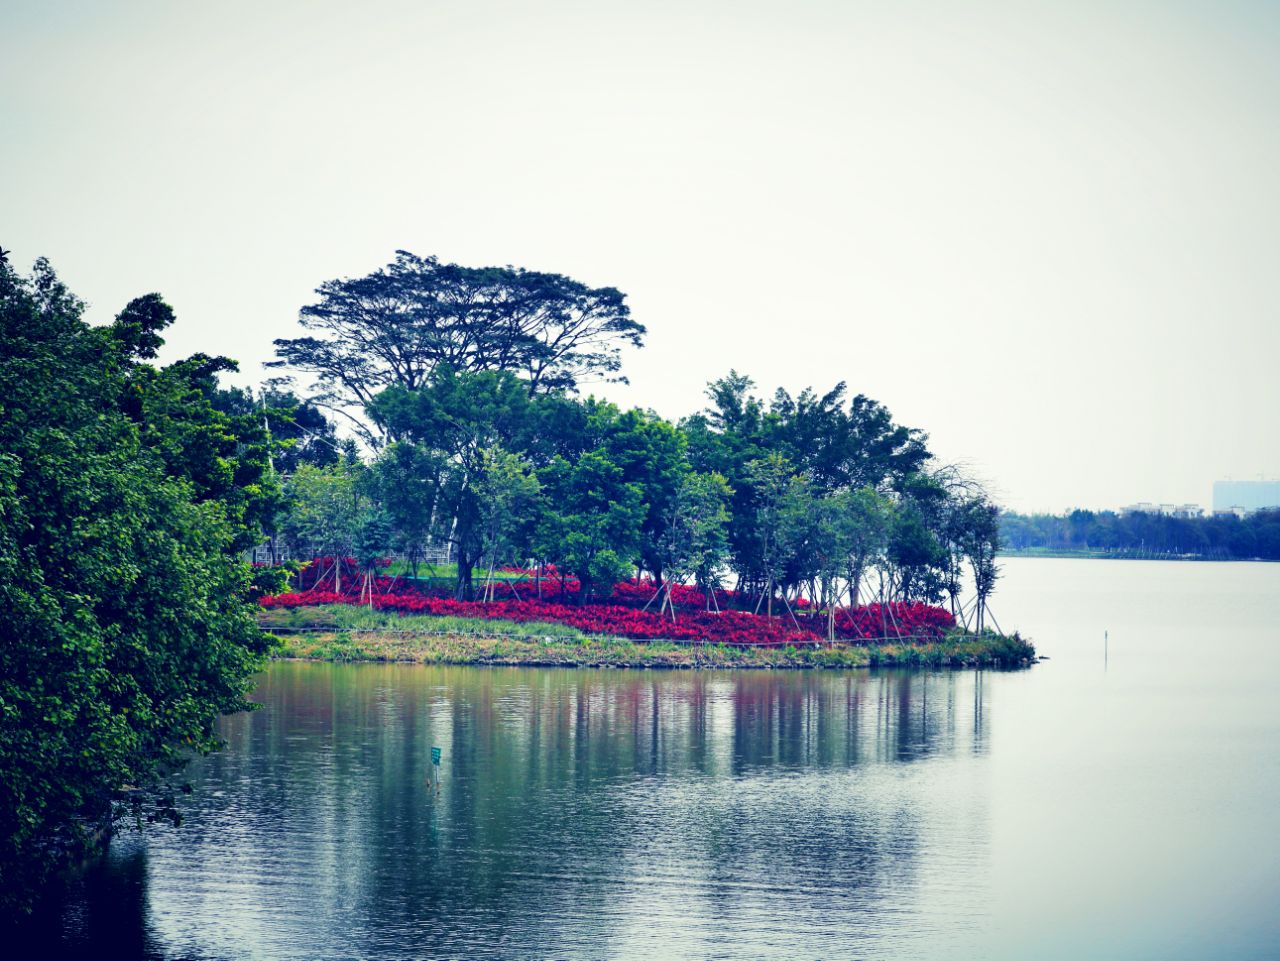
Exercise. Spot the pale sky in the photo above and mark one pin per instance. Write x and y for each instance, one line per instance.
(1046, 233)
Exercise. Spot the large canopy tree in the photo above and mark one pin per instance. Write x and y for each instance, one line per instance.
(396, 325)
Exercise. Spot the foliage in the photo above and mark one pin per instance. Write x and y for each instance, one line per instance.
(979, 535)
(779, 502)
(272, 579)
(694, 540)
(406, 481)
(914, 554)
(834, 448)
(603, 491)
(1142, 533)
(372, 541)
(453, 420)
(326, 512)
(397, 325)
(305, 435)
(125, 496)
(595, 527)
(823, 493)
(510, 500)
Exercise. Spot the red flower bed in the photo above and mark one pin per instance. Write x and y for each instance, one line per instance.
(694, 623)
(319, 571)
(731, 627)
(682, 595)
(897, 619)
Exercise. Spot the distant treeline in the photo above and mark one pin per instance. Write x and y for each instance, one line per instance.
(1142, 534)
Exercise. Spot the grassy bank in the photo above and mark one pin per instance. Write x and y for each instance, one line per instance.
(348, 633)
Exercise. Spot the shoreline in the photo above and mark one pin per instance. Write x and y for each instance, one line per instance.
(1131, 556)
(406, 647)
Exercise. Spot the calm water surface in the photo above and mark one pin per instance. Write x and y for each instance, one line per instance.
(1117, 803)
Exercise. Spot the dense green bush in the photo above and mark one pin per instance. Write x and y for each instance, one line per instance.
(124, 624)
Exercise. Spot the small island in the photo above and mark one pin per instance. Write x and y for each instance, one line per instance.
(400, 620)
(807, 530)
(432, 481)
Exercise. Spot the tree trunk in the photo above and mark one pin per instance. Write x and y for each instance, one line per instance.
(465, 589)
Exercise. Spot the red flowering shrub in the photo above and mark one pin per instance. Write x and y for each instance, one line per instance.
(896, 619)
(320, 571)
(682, 595)
(732, 627)
(620, 616)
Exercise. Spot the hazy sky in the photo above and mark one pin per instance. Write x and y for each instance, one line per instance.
(1046, 233)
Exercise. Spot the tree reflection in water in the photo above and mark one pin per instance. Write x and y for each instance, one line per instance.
(580, 813)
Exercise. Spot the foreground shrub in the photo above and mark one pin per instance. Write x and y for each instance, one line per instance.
(126, 617)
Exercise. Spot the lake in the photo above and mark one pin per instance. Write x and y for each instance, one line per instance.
(1116, 801)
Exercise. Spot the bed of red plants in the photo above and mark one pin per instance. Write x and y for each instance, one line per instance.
(893, 620)
(620, 616)
(639, 593)
(320, 571)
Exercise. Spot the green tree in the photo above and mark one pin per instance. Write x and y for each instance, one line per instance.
(457, 416)
(304, 434)
(406, 480)
(372, 543)
(510, 504)
(325, 512)
(836, 444)
(915, 557)
(981, 542)
(865, 518)
(774, 519)
(397, 325)
(592, 527)
(651, 454)
(843, 535)
(125, 620)
(695, 536)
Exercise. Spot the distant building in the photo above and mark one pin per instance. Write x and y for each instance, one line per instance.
(1168, 510)
(1245, 497)
(1142, 507)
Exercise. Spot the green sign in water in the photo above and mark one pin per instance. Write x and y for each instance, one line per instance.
(435, 755)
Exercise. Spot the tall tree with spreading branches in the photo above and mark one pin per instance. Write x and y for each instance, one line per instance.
(396, 325)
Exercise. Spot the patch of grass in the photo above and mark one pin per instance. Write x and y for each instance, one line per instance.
(553, 651)
(957, 649)
(349, 633)
(358, 618)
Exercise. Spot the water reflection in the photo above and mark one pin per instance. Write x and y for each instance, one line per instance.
(102, 911)
(579, 813)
